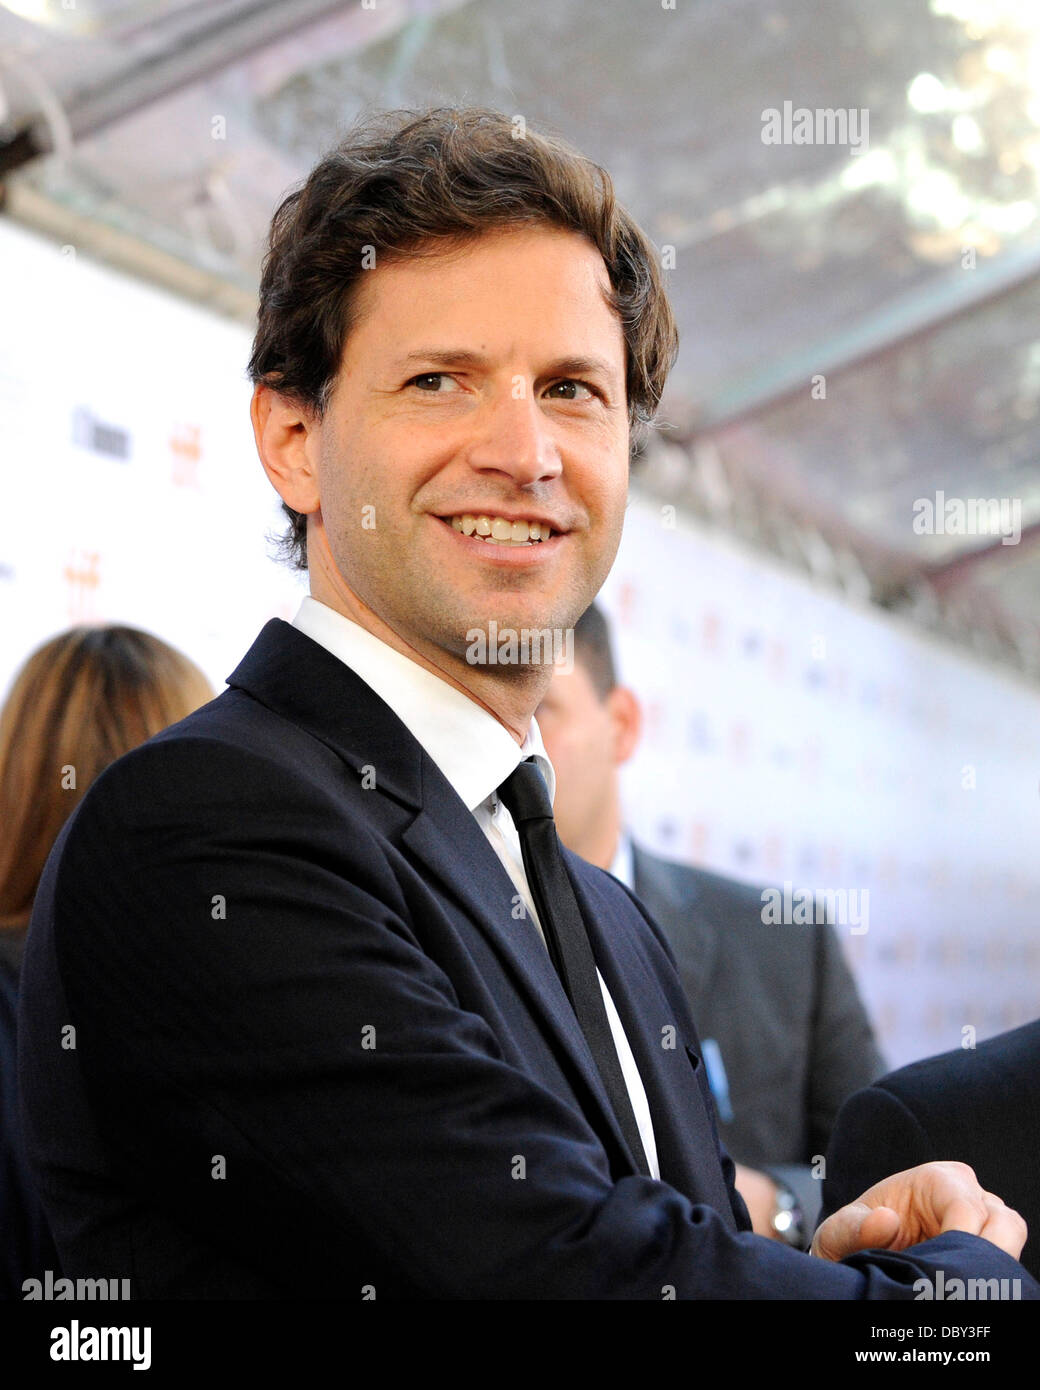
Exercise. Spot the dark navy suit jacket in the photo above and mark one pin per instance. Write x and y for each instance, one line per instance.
(782, 1007)
(316, 1050)
(980, 1105)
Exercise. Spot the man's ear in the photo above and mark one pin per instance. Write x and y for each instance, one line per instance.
(626, 722)
(286, 435)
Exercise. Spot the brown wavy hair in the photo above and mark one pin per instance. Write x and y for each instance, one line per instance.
(80, 701)
(408, 182)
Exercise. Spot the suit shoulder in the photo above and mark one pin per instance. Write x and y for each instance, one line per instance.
(984, 1073)
(702, 885)
(733, 909)
(222, 766)
(236, 720)
(232, 732)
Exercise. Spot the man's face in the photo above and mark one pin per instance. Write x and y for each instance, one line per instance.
(488, 382)
(579, 736)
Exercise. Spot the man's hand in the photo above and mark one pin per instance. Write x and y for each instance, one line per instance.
(759, 1193)
(915, 1205)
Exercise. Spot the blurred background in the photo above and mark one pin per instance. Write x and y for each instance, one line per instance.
(838, 653)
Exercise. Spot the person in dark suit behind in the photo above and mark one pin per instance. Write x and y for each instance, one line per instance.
(782, 1026)
(980, 1104)
(345, 1020)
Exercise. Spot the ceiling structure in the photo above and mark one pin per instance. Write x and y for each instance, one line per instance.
(858, 298)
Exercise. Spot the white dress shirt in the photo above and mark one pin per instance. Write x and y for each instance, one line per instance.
(476, 754)
(623, 864)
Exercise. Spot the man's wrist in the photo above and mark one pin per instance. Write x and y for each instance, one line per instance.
(788, 1222)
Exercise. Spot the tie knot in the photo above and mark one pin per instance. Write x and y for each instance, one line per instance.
(525, 794)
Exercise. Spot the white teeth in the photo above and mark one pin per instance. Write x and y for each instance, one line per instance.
(499, 531)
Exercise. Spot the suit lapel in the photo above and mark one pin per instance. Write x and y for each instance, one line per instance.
(456, 852)
(298, 678)
(682, 1126)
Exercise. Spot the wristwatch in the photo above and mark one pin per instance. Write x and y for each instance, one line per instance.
(788, 1219)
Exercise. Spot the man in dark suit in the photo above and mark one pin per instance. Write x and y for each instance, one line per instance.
(980, 1102)
(27, 1249)
(784, 1034)
(301, 1017)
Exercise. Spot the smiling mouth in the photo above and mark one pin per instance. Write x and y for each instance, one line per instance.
(498, 530)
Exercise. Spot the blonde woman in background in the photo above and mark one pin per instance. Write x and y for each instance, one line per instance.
(81, 701)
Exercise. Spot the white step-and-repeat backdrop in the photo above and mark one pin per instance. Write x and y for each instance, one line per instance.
(790, 740)
(797, 742)
(130, 489)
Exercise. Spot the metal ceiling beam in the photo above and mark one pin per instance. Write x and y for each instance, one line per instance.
(945, 574)
(915, 316)
(127, 253)
(212, 48)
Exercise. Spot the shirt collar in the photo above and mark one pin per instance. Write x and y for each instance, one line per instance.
(473, 750)
(622, 866)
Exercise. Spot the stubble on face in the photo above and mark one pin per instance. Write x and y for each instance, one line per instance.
(395, 458)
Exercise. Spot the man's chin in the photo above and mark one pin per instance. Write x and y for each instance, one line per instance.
(495, 621)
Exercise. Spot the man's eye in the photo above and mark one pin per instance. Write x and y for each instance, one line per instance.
(571, 390)
(431, 383)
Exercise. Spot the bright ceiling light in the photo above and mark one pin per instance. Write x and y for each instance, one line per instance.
(966, 134)
(877, 166)
(79, 18)
(926, 93)
(984, 15)
(35, 11)
(938, 198)
(1002, 60)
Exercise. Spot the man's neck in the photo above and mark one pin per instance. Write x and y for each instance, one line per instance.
(512, 702)
(600, 844)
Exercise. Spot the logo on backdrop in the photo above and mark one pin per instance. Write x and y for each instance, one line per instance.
(98, 436)
(186, 449)
(82, 575)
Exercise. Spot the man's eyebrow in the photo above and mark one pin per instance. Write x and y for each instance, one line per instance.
(465, 357)
(583, 366)
(457, 357)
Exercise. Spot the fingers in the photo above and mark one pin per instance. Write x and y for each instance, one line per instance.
(916, 1205)
(881, 1229)
(988, 1217)
(964, 1213)
(925, 1201)
(856, 1227)
(1003, 1226)
(931, 1199)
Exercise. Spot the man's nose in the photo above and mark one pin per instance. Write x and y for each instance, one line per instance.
(513, 436)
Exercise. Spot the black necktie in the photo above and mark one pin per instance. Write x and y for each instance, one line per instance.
(527, 799)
